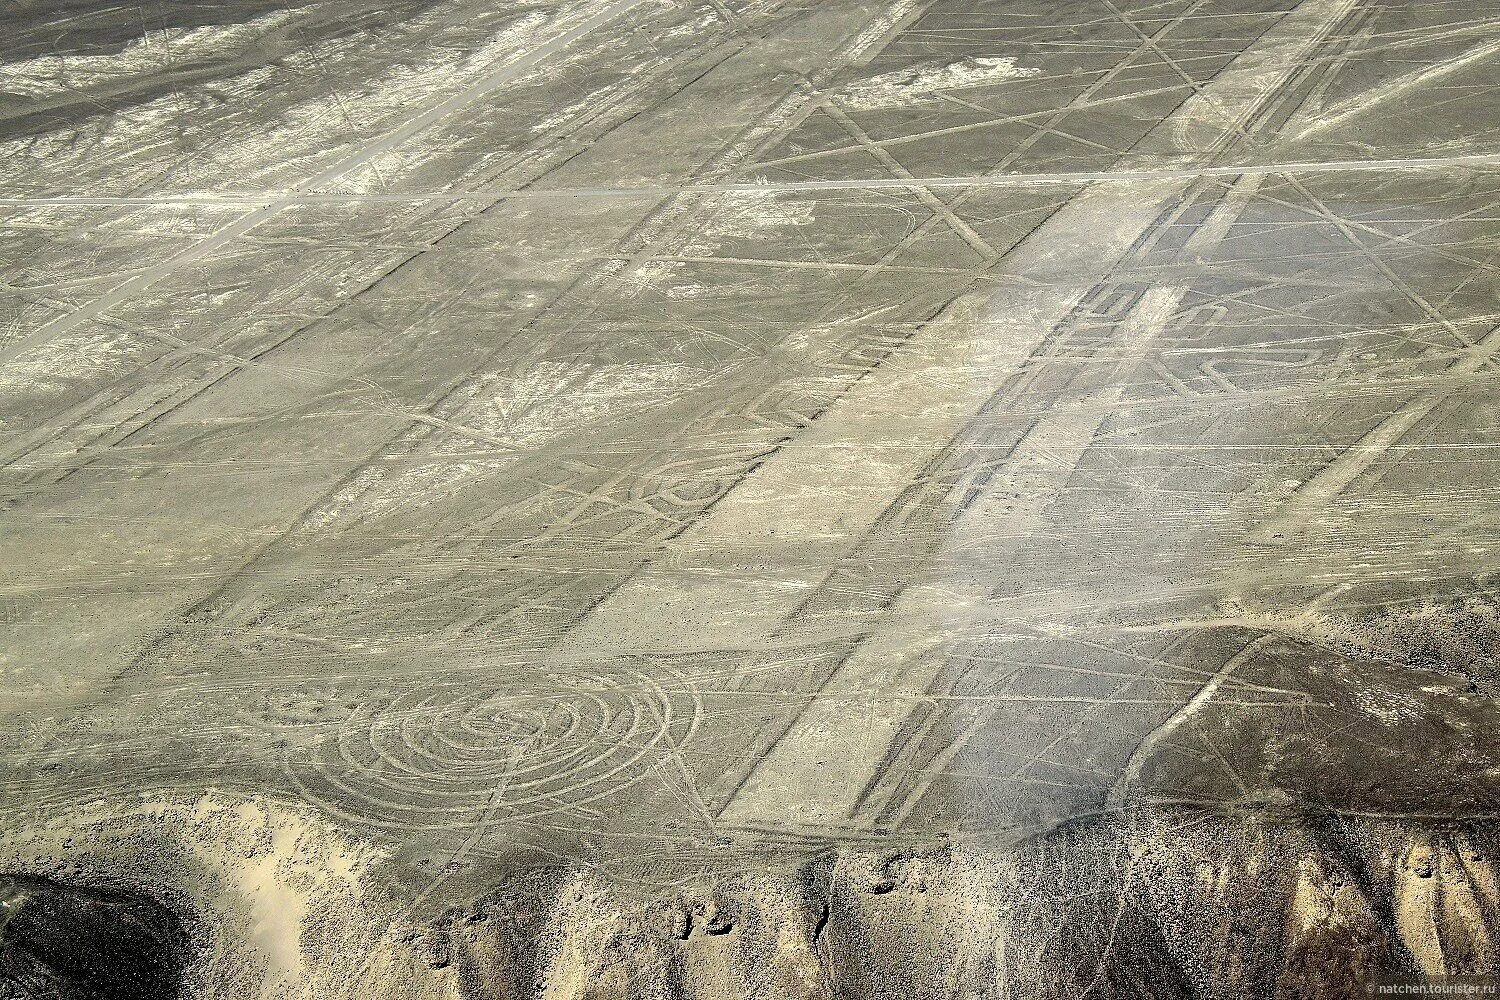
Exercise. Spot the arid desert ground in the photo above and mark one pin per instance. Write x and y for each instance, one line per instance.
(738, 499)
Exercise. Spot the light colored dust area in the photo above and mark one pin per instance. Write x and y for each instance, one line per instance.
(926, 83)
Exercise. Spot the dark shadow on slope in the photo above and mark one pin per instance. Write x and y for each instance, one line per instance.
(62, 942)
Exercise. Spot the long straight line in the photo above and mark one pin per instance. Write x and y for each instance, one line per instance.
(281, 200)
(271, 205)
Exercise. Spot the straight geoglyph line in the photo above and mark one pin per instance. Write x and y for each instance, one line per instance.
(352, 160)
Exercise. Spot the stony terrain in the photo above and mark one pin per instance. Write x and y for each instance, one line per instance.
(745, 498)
